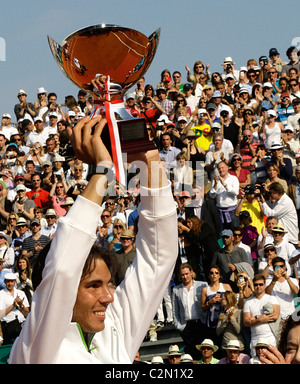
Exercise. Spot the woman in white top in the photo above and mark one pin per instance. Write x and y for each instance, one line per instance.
(211, 298)
(272, 129)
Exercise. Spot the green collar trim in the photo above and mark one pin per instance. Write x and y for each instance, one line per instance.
(89, 337)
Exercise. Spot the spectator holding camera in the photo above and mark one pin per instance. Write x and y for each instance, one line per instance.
(228, 65)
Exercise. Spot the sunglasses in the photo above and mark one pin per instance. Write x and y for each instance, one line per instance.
(214, 273)
(104, 216)
(118, 226)
(269, 250)
(258, 284)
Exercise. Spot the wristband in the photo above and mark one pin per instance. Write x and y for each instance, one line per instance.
(100, 170)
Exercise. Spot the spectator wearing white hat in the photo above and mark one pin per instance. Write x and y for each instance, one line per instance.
(6, 252)
(6, 128)
(269, 98)
(207, 348)
(217, 99)
(14, 308)
(24, 109)
(291, 146)
(40, 105)
(261, 345)
(157, 360)
(174, 354)
(51, 226)
(39, 135)
(233, 354)
(228, 65)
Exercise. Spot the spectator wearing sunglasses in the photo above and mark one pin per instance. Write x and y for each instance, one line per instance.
(261, 313)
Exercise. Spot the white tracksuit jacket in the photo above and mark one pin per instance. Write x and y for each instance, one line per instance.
(49, 336)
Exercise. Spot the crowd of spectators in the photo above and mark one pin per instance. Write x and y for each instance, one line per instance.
(229, 142)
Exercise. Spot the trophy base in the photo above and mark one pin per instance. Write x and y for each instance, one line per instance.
(133, 136)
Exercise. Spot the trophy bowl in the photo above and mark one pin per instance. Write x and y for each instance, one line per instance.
(106, 61)
(122, 53)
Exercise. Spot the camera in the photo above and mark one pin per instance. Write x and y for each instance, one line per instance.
(228, 66)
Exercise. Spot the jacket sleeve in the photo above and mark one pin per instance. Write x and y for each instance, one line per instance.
(139, 295)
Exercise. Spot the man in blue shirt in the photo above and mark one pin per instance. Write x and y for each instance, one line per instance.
(284, 108)
(3, 272)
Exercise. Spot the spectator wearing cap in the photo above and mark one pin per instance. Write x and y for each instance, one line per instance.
(217, 99)
(14, 308)
(275, 60)
(22, 227)
(207, 349)
(271, 129)
(51, 128)
(131, 105)
(39, 135)
(283, 163)
(32, 245)
(269, 98)
(230, 258)
(291, 146)
(228, 65)
(150, 110)
(23, 205)
(264, 67)
(174, 354)
(284, 248)
(233, 354)
(282, 206)
(191, 100)
(166, 104)
(24, 109)
(40, 105)
(284, 108)
(6, 128)
(211, 110)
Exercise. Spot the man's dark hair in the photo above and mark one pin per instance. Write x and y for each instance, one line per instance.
(277, 188)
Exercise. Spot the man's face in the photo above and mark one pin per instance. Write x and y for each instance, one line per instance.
(294, 86)
(186, 276)
(51, 220)
(174, 359)
(10, 284)
(270, 224)
(36, 182)
(161, 95)
(6, 121)
(259, 287)
(93, 297)
(106, 217)
(232, 355)
(35, 228)
(177, 78)
(218, 143)
(223, 169)
(2, 141)
(166, 141)
(50, 146)
(110, 205)
(39, 125)
(278, 236)
(22, 229)
(227, 240)
(207, 352)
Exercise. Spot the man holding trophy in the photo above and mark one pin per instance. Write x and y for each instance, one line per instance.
(77, 316)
